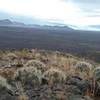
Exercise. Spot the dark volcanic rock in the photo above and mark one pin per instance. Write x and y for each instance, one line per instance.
(83, 85)
(56, 92)
(6, 95)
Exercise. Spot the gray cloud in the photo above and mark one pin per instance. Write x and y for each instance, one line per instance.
(86, 4)
(84, 1)
(88, 8)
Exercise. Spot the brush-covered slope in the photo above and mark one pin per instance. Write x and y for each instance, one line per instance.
(47, 75)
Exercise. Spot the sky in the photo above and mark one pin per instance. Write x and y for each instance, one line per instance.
(80, 13)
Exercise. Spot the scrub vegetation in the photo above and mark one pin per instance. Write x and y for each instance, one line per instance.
(47, 75)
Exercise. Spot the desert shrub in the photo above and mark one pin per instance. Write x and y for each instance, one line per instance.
(7, 73)
(54, 75)
(83, 66)
(10, 55)
(97, 74)
(37, 64)
(24, 53)
(67, 63)
(1, 53)
(84, 69)
(17, 63)
(3, 83)
(28, 76)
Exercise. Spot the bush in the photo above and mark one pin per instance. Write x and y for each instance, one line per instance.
(36, 64)
(11, 56)
(97, 74)
(54, 75)
(28, 76)
(83, 66)
(3, 83)
(84, 69)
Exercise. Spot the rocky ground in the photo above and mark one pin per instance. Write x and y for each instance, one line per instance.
(47, 75)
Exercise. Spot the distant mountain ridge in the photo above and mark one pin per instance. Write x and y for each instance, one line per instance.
(95, 26)
(7, 22)
(10, 19)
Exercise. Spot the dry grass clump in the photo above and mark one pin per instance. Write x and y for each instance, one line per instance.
(23, 97)
(3, 83)
(17, 63)
(95, 86)
(10, 56)
(36, 64)
(54, 75)
(24, 53)
(7, 73)
(61, 60)
(1, 54)
(67, 63)
(7, 59)
(28, 75)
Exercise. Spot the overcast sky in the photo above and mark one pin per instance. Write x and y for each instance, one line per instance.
(75, 12)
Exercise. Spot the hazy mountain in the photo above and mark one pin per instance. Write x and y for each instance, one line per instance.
(49, 25)
(16, 18)
(28, 19)
(95, 26)
(7, 22)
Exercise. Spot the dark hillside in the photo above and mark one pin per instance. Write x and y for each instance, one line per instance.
(82, 43)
